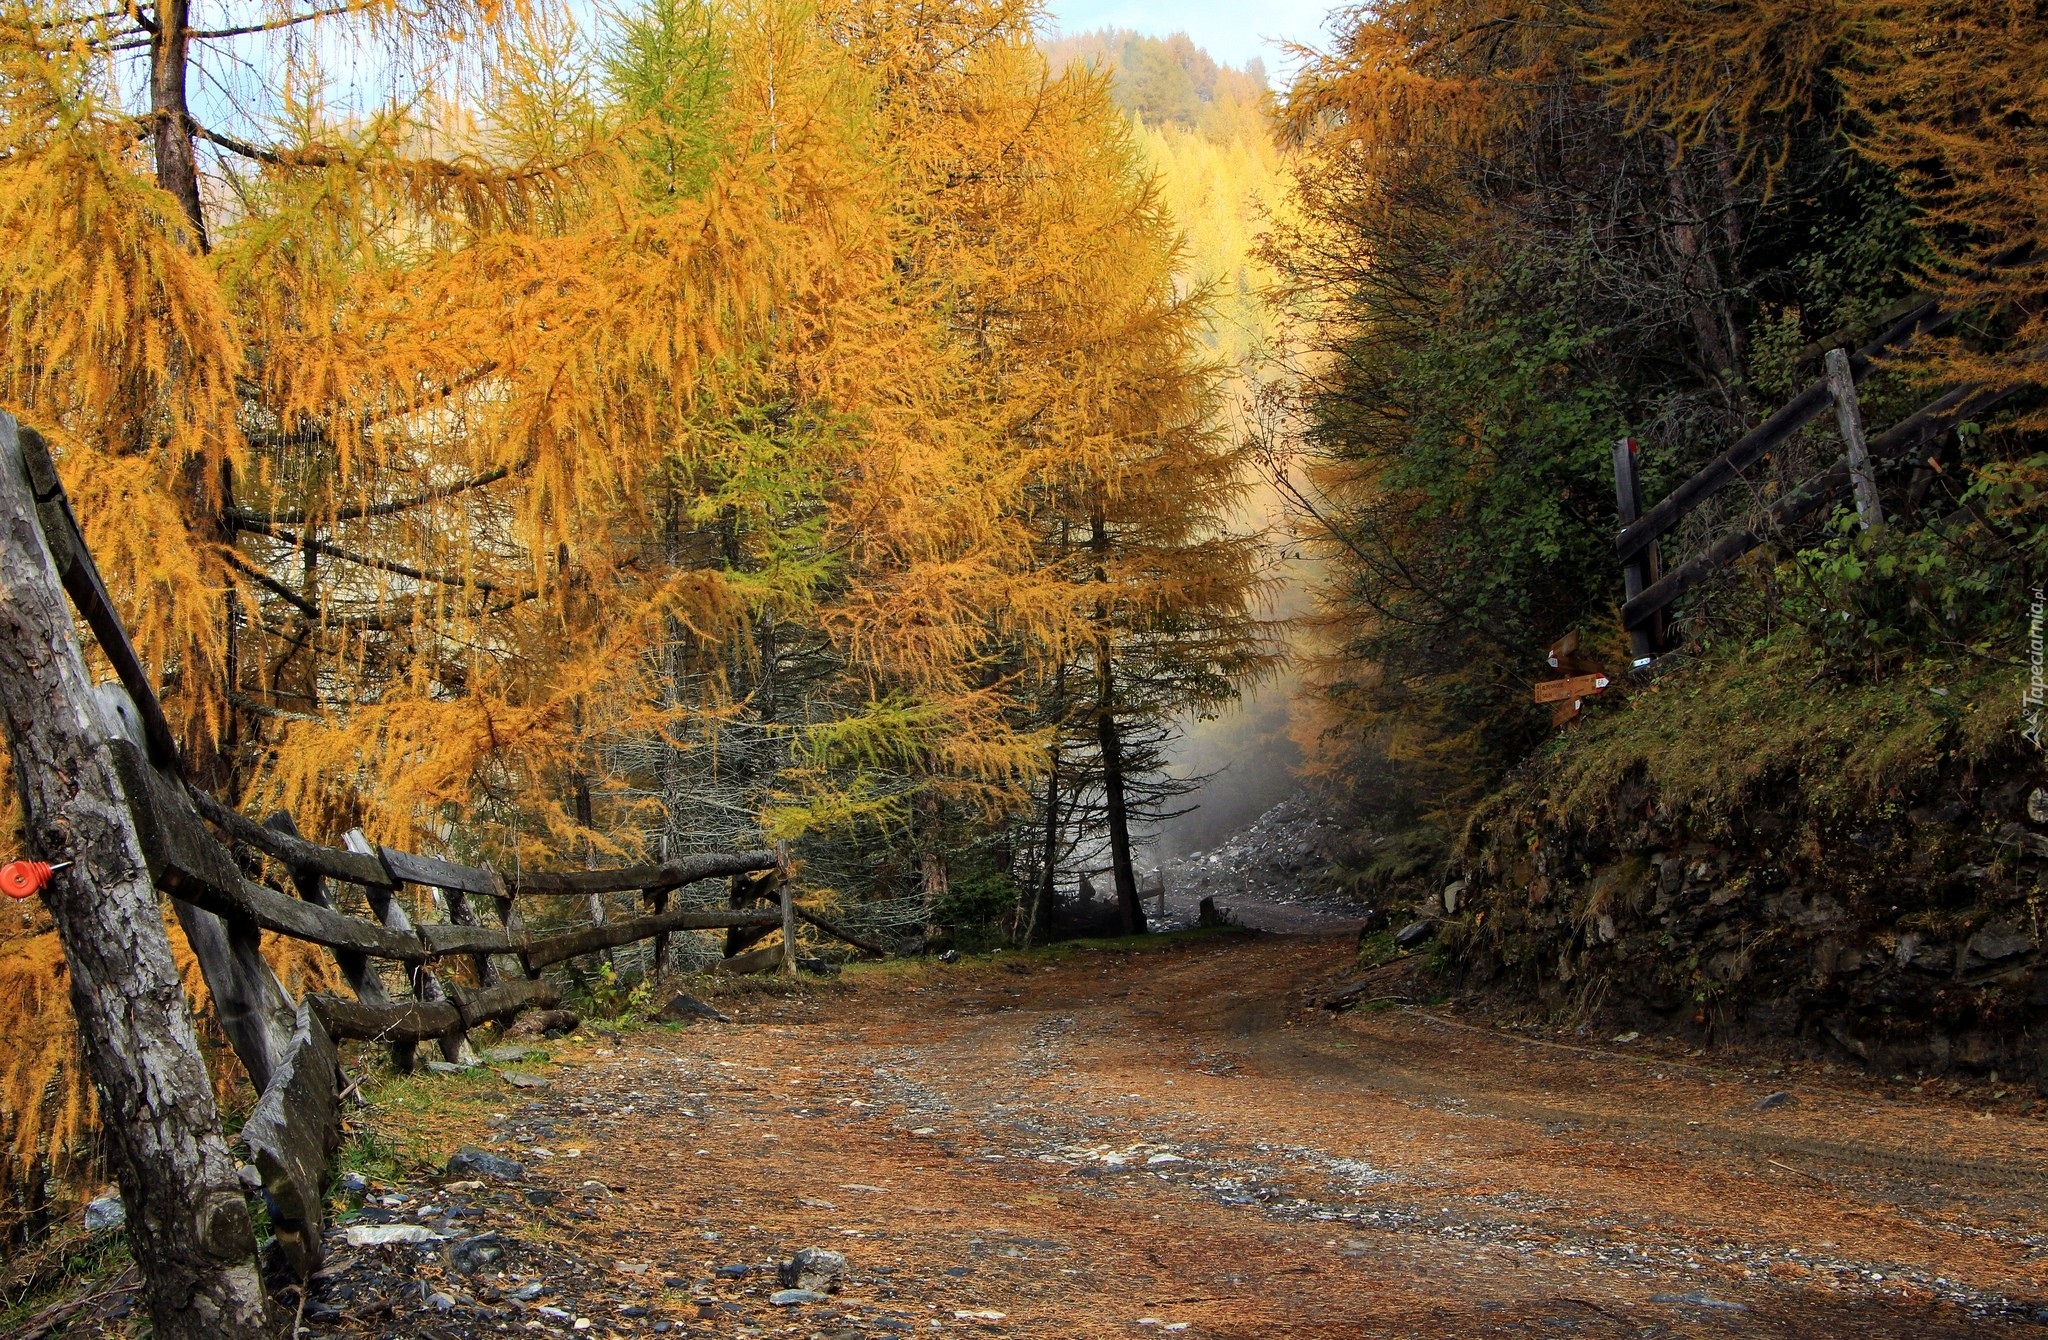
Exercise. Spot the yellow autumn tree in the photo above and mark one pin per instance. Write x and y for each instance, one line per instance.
(564, 444)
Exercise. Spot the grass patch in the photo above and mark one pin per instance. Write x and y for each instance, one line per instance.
(66, 1264)
(1378, 948)
(1707, 737)
(415, 1121)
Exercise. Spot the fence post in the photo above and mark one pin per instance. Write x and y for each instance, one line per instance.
(1849, 418)
(783, 884)
(657, 903)
(356, 968)
(1640, 571)
(189, 1226)
(426, 987)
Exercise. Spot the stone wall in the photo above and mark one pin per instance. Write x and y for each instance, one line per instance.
(1905, 935)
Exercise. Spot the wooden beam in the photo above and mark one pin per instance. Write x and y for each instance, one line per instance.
(783, 894)
(409, 1022)
(408, 868)
(480, 1007)
(81, 579)
(291, 849)
(186, 862)
(454, 938)
(765, 959)
(356, 968)
(544, 950)
(1774, 431)
(656, 901)
(426, 987)
(670, 875)
(839, 932)
(1635, 568)
(1931, 420)
(1849, 422)
(417, 1022)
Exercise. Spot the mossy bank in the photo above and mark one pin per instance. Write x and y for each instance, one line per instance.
(1743, 851)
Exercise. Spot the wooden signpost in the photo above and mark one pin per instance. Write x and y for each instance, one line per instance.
(1581, 680)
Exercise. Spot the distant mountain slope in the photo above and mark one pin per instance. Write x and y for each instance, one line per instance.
(1205, 129)
(1166, 81)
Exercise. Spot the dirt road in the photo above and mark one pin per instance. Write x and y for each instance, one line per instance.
(1174, 1142)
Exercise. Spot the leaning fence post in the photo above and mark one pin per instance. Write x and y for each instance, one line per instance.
(189, 1226)
(1638, 572)
(1849, 418)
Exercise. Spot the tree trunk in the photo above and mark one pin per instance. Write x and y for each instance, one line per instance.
(586, 817)
(934, 879)
(189, 1227)
(177, 166)
(1038, 925)
(1111, 745)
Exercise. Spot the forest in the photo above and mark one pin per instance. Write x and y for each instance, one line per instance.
(554, 440)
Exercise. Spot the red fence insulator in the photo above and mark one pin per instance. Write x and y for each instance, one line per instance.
(25, 879)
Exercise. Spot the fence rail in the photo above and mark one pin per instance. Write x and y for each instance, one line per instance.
(288, 1047)
(1650, 591)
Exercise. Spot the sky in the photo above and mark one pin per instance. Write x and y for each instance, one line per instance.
(1231, 31)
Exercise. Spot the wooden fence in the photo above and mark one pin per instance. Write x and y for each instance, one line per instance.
(190, 839)
(1649, 591)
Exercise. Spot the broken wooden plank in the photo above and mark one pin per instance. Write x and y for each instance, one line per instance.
(839, 932)
(754, 960)
(669, 875)
(292, 1134)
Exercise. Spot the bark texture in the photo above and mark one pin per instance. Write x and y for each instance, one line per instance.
(188, 1224)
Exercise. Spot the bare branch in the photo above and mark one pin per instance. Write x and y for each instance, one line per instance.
(242, 516)
(287, 22)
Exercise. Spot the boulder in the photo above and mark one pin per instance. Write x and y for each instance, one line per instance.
(815, 1269)
(471, 1162)
(1995, 943)
(545, 1024)
(684, 1008)
(104, 1213)
(474, 1255)
(1414, 933)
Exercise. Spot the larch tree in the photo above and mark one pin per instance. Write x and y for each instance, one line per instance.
(545, 446)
